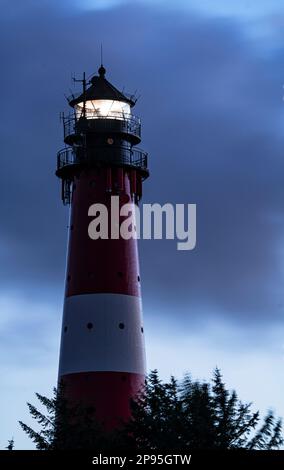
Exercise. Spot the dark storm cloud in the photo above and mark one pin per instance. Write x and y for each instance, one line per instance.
(212, 108)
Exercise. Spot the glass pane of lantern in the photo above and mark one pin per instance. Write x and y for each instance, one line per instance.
(96, 109)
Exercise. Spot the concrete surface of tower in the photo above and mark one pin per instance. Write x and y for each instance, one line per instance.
(102, 354)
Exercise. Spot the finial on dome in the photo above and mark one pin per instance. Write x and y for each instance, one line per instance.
(102, 71)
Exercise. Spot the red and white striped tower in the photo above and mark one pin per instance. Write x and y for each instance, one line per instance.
(102, 355)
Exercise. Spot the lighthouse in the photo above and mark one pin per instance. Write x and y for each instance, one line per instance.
(102, 352)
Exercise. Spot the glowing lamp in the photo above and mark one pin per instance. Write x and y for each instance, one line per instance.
(108, 109)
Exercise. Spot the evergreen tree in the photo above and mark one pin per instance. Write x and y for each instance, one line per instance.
(198, 415)
(64, 426)
(11, 444)
(165, 416)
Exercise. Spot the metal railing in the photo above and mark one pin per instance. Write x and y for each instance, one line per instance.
(115, 155)
(65, 157)
(121, 122)
(68, 126)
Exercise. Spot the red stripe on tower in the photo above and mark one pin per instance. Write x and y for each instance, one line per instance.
(102, 354)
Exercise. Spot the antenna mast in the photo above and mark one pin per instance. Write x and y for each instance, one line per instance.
(83, 81)
(101, 55)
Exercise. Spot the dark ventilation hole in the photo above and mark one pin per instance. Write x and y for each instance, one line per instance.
(92, 184)
(138, 278)
(65, 329)
(142, 329)
(121, 326)
(68, 278)
(120, 274)
(90, 326)
(90, 410)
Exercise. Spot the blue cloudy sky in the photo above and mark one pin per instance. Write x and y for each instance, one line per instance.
(211, 76)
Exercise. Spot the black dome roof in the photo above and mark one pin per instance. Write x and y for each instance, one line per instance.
(102, 89)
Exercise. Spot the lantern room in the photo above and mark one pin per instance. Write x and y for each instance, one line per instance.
(102, 100)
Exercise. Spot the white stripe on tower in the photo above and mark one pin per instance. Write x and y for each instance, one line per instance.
(102, 332)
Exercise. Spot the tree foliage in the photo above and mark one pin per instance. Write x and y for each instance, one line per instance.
(11, 444)
(198, 416)
(63, 426)
(170, 415)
